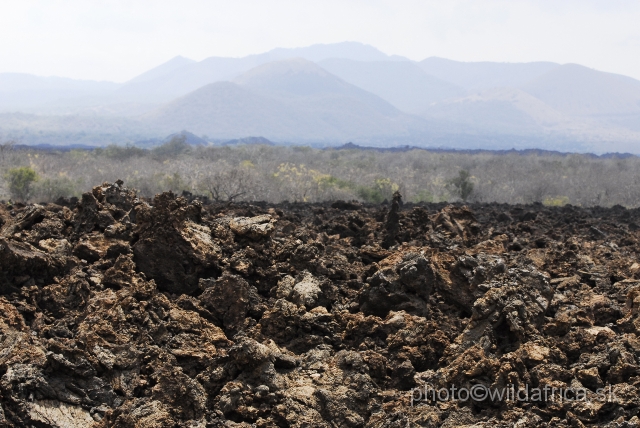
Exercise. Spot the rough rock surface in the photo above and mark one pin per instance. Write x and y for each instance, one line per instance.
(162, 313)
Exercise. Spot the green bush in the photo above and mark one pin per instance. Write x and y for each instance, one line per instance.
(383, 188)
(173, 182)
(327, 182)
(424, 196)
(370, 194)
(174, 147)
(462, 184)
(50, 189)
(20, 181)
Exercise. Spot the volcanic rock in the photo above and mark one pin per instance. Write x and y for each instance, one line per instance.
(173, 247)
(119, 311)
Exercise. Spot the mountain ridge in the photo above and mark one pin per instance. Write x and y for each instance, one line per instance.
(403, 83)
(262, 103)
(332, 93)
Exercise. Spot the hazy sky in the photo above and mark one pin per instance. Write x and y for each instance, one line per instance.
(118, 39)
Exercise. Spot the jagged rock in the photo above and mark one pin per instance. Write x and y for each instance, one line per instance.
(59, 414)
(392, 224)
(307, 292)
(32, 215)
(140, 413)
(403, 283)
(468, 278)
(116, 196)
(253, 227)
(90, 216)
(186, 397)
(229, 298)
(55, 246)
(173, 248)
(167, 313)
(456, 222)
(248, 352)
(510, 312)
(346, 205)
(22, 264)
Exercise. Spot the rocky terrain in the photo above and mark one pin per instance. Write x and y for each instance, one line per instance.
(117, 311)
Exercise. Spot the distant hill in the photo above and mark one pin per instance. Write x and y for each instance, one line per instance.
(189, 138)
(163, 69)
(249, 141)
(501, 110)
(220, 110)
(169, 80)
(301, 78)
(580, 91)
(292, 100)
(485, 75)
(403, 83)
(180, 81)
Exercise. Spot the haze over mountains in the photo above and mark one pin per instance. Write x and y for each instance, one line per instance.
(332, 94)
(288, 100)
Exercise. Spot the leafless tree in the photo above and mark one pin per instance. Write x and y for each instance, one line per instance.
(253, 173)
(226, 184)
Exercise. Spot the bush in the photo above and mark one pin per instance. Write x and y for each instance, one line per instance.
(424, 196)
(174, 182)
(226, 183)
(174, 147)
(20, 181)
(370, 194)
(383, 188)
(558, 201)
(462, 184)
(51, 189)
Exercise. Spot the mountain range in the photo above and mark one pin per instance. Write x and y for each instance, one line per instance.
(289, 100)
(332, 94)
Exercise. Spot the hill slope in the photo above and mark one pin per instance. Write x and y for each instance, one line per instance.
(285, 101)
(484, 75)
(499, 110)
(172, 82)
(582, 92)
(402, 83)
(163, 69)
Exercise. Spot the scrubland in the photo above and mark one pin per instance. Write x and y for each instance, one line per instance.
(304, 174)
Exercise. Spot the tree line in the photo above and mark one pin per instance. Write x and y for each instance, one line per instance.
(304, 174)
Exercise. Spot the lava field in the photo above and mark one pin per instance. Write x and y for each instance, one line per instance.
(118, 311)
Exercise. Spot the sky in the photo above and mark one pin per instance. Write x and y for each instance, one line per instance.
(118, 39)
